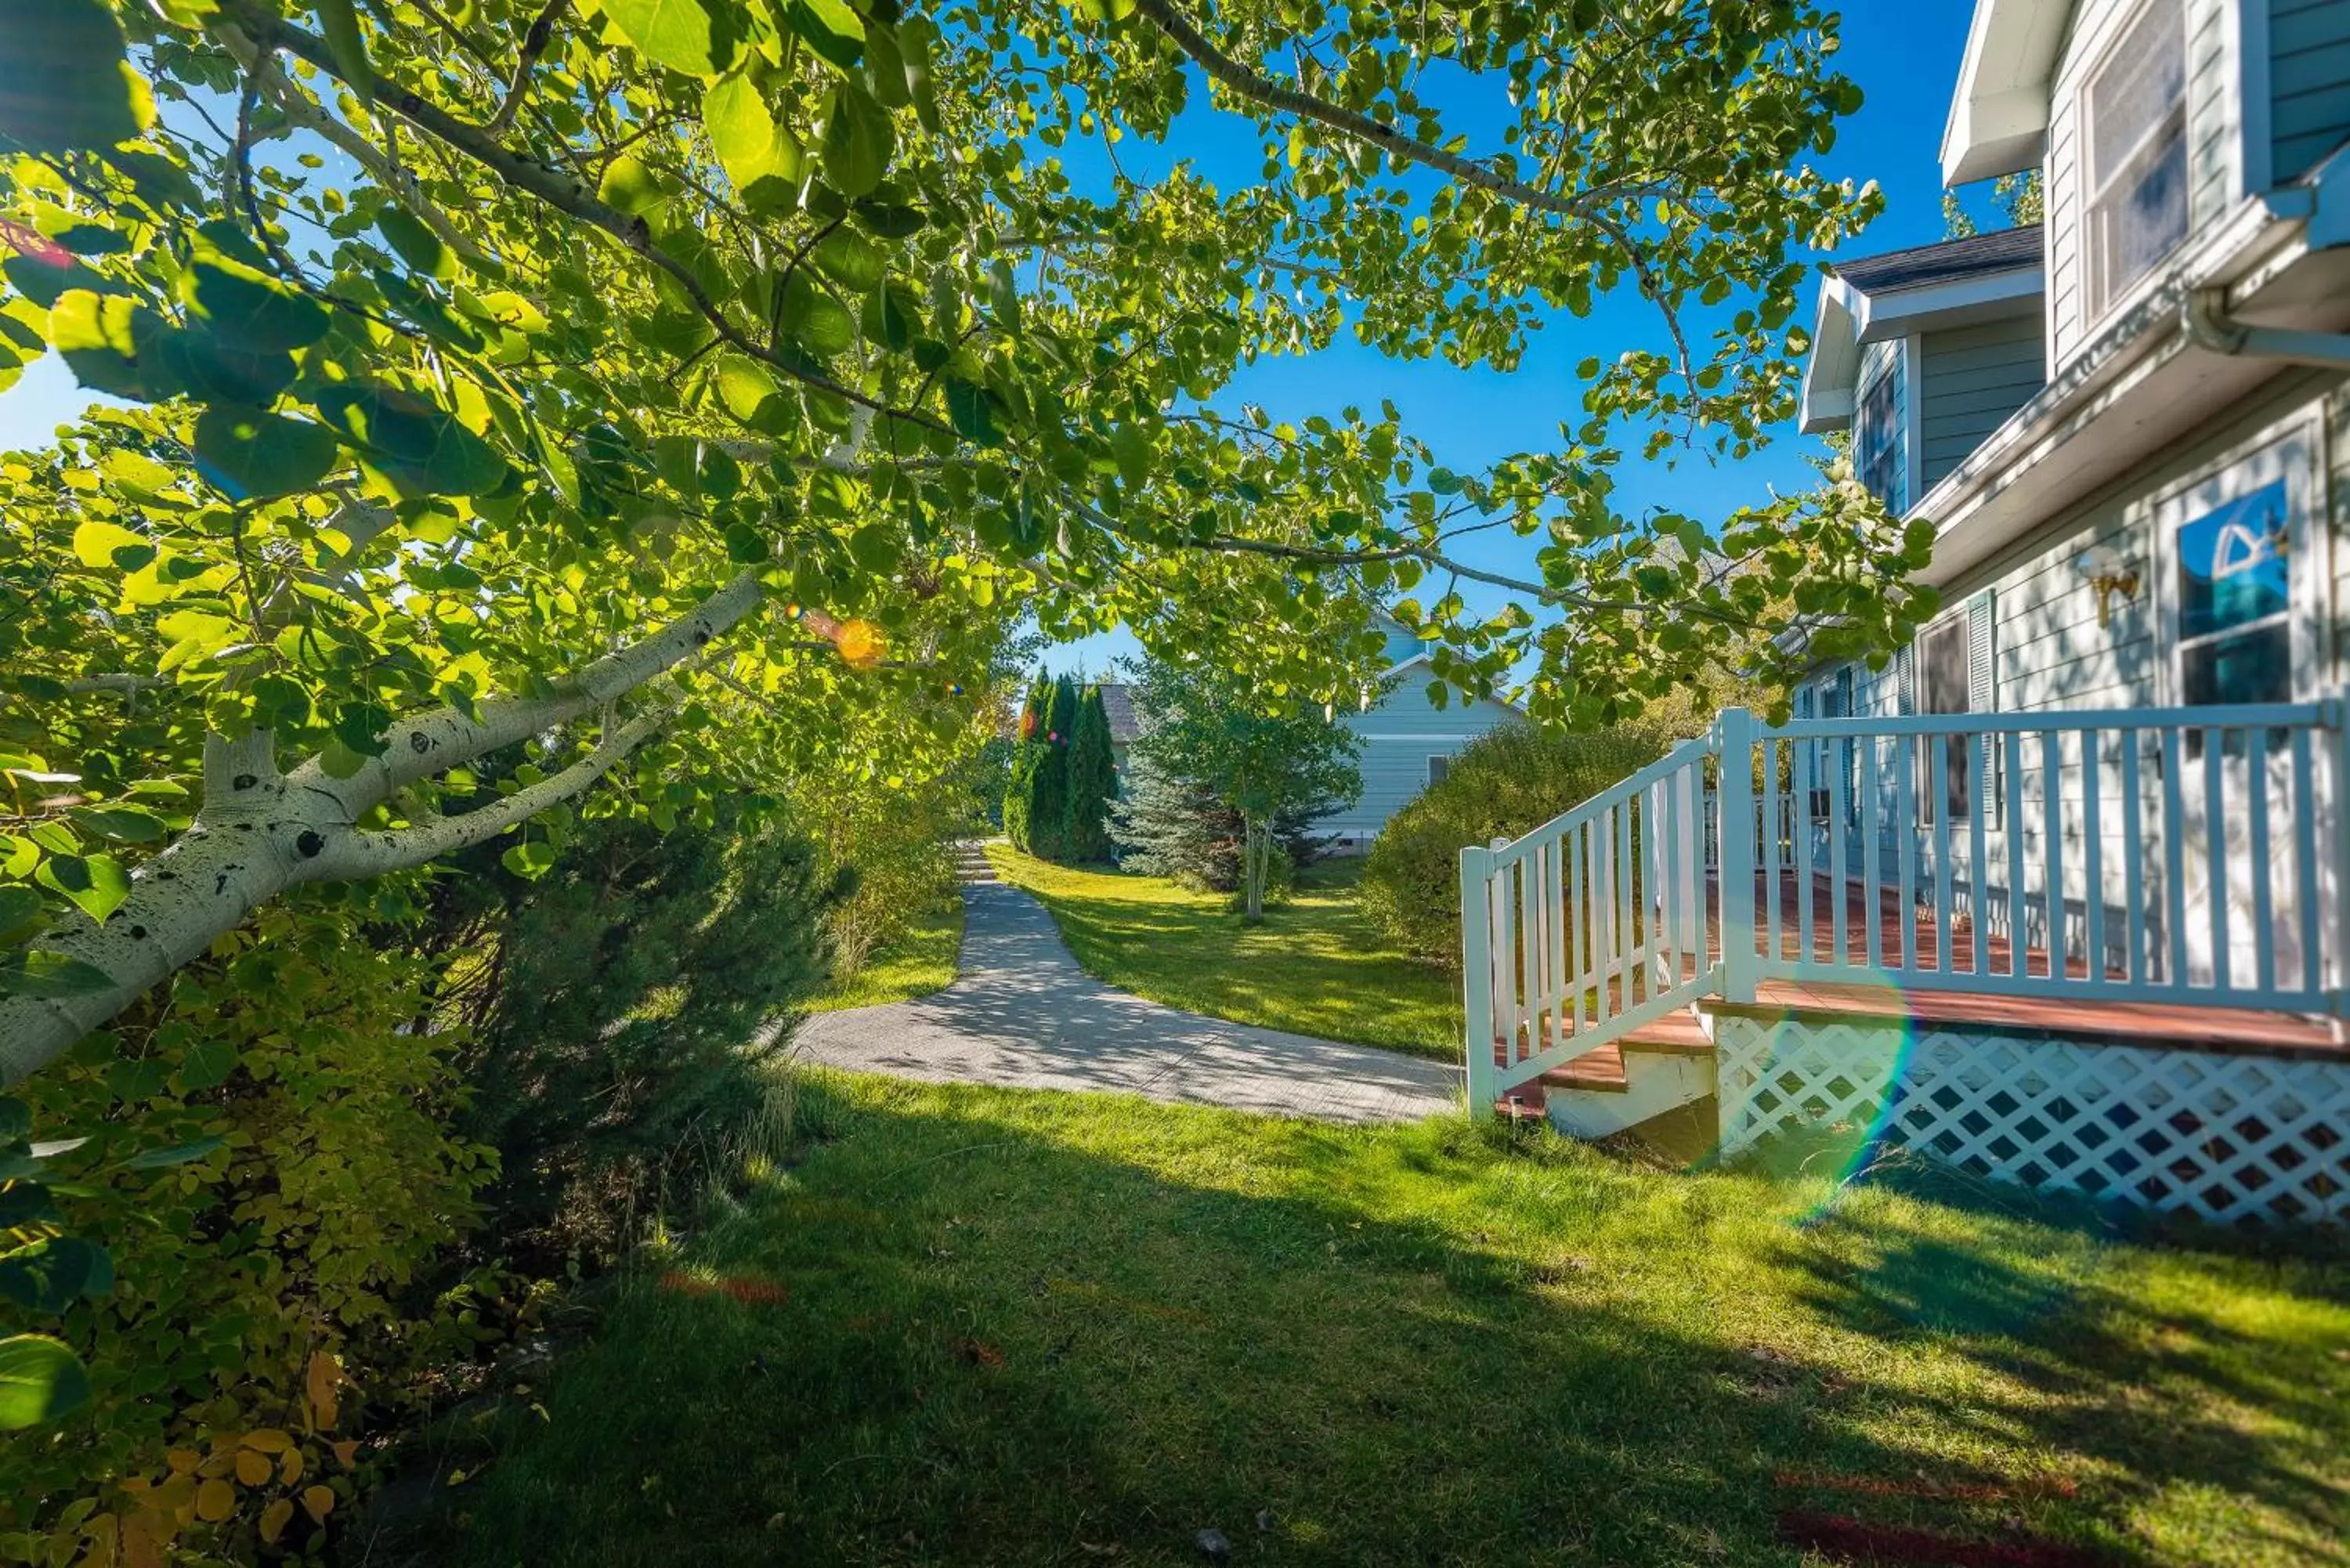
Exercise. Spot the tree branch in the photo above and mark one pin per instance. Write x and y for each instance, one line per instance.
(358, 854)
(563, 191)
(534, 45)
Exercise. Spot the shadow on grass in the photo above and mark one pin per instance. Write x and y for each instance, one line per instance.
(978, 1328)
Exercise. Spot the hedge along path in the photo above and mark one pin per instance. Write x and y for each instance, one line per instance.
(1022, 1015)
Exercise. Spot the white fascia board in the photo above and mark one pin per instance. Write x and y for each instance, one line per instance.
(1998, 116)
(1833, 367)
(1897, 313)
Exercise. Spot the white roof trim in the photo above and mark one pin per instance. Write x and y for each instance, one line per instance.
(1998, 115)
(1848, 318)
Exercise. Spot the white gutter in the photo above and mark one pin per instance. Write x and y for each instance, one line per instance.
(2209, 326)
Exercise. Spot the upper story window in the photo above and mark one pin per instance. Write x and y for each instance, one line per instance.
(2137, 154)
(1880, 440)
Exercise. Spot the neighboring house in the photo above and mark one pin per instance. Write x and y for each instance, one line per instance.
(2063, 892)
(1407, 741)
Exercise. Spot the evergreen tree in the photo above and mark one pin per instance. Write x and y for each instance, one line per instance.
(1028, 747)
(1165, 827)
(1093, 782)
(1048, 795)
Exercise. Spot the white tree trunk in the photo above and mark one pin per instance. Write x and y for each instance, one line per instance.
(260, 831)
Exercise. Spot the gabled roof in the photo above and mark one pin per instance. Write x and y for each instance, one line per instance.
(1869, 299)
(1118, 706)
(1950, 261)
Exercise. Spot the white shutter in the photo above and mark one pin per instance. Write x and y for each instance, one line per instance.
(1982, 655)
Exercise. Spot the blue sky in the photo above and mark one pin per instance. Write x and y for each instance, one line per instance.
(1905, 56)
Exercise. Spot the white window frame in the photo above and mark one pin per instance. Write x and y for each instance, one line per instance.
(2100, 300)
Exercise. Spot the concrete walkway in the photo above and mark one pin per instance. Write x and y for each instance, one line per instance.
(1022, 1014)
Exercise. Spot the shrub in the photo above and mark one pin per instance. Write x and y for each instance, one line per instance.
(1183, 832)
(1504, 783)
(1048, 776)
(1029, 749)
(624, 1041)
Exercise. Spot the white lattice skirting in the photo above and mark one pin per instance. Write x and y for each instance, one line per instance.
(2230, 1138)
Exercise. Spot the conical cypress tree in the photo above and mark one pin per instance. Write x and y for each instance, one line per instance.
(1092, 781)
(1048, 796)
(1029, 750)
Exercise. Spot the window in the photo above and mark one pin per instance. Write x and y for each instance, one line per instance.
(2235, 602)
(1944, 657)
(1881, 443)
(2135, 158)
(1437, 768)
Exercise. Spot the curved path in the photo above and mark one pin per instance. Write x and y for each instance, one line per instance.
(1022, 1014)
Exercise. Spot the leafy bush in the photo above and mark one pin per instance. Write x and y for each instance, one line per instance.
(1504, 783)
(270, 1164)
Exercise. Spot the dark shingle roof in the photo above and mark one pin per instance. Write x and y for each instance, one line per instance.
(1977, 255)
(1117, 707)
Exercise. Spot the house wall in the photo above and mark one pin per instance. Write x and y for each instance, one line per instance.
(2214, 141)
(1399, 733)
(1972, 379)
(2309, 83)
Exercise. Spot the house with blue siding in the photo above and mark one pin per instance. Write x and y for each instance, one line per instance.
(1407, 741)
(2059, 893)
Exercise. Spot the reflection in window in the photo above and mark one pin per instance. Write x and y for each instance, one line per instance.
(1881, 444)
(2235, 602)
(2137, 212)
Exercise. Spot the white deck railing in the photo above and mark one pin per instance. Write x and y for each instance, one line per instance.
(2186, 855)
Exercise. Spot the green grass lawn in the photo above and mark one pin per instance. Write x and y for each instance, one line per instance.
(1315, 966)
(916, 964)
(961, 1326)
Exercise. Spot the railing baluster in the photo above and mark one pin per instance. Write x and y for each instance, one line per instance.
(1839, 870)
(1561, 973)
(1872, 919)
(1578, 935)
(2259, 861)
(1979, 808)
(1669, 918)
(1628, 944)
(1905, 823)
(2174, 861)
(2052, 848)
(1530, 944)
(2215, 855)
(2305, 890)
(2011, 814)
(1946, 911)
(1803, 753)
(2093, 877)
(1603, 911)
(2133, 858)
(1768, 847)
(1505, 965)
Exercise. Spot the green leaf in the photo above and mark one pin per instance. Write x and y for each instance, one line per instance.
(415, 243)
(68, 84)
(680, 34)
(849, 259)
(39, 972)
(207, 1065)
(178, 1153)
(420, 446)
(20, 911)
(968, 409)
(110, 343)
(41, 1381)
(124, 824)
(875, 548)
(24, 1202)
(633, 188)
(760, 156)
(531, 859)
(247, 307)
(16, 1119)
(249, 453)
(829, 28)
(50, 1276)
(100, 544)
(340, 23)
(858, 139)
(745, 545)
(360, 726)
(97, 883)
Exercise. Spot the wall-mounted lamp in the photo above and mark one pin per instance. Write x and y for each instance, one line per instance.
(2109, 573)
